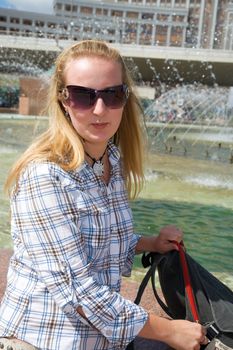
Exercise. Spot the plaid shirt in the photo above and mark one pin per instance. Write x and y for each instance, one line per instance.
(73, 240)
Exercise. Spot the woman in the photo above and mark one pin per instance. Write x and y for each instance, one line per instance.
(71, 222)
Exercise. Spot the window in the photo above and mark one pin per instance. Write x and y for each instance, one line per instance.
(63, 26)
(39, 24)
(2, 19)
(27, 32)
(51, 25)
(101, 12)
(146, 34)
(86, 10)
(147, 15)
(27, 22)
(130, 33)
(2, 30)
(177, 18)
(162, 17)
(111, 31)
(176, 36)
(182, 3)
(14, 30)
(117, 13)
(195, 2)
(132, 14)
(165, 2)
(14, 20)
(151, 2)
(87, 29)
(161, 35)
(68, 8)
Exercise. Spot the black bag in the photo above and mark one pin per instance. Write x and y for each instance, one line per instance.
(213, 300)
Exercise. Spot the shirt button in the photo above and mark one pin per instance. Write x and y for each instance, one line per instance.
(109, 332)
(69, 309)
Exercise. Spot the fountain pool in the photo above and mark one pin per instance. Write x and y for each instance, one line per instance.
(195, 194)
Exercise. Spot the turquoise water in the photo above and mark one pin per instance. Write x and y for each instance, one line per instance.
(194, 193)
(197, 196)
(207, 229)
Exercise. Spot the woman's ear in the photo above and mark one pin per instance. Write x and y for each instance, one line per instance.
(63, 96)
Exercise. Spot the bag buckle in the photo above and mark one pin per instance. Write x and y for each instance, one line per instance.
(212, 331)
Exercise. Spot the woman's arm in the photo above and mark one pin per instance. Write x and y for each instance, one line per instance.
(179, 334)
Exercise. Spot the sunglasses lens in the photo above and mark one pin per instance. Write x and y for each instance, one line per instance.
(83, 98)
(115, 97)
(80, 97)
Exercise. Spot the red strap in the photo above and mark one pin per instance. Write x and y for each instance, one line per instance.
(187, 281)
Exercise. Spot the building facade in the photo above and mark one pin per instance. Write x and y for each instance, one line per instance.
(175, 23)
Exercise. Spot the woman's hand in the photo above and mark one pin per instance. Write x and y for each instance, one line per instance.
(186, 335)
(161, 243)
(167, 234)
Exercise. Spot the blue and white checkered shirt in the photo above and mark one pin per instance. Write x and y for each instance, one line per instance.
(73, 240)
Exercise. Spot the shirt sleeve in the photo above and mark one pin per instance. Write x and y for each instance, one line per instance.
(130, 258)
(43, 207)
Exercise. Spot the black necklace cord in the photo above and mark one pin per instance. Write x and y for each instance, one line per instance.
(96, 160)
(98, 165)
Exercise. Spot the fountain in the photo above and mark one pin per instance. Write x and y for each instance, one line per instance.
(189, 168)
(192, 120)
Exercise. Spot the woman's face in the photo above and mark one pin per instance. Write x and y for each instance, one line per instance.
(98, 123)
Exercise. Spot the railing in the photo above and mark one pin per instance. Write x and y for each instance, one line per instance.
(34, 41)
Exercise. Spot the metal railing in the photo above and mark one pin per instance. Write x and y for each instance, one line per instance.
(35, 42)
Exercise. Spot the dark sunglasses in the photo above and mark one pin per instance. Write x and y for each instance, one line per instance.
(81, 97)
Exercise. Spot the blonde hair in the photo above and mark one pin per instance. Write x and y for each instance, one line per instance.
(61, 143)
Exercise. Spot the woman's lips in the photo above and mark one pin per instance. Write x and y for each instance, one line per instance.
(99, 125)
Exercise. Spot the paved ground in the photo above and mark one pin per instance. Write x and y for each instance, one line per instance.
(129, 290)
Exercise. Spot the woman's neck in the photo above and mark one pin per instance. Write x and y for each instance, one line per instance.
(99, 161)
(95, 151)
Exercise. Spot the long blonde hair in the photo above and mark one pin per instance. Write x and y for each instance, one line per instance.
(61, 143)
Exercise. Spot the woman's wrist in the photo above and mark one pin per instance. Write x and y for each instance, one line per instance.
(157, 328)
(146, 244)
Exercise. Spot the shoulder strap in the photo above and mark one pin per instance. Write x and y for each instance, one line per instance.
(152, 260)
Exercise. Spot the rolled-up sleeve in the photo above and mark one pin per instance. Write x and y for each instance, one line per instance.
(50, 228)
(130, 258)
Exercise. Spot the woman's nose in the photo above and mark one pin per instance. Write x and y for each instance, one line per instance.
(100, 106)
